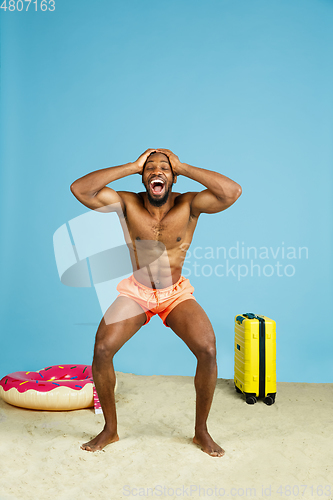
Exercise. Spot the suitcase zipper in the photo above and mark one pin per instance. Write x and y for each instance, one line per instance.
(262, 352)
(262, 356)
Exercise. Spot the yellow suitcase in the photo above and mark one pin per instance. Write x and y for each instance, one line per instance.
(255, 357)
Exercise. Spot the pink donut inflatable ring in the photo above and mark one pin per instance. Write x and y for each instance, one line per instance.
(60, 387)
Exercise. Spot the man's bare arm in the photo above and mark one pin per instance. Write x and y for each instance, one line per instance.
(91, 189)
(221, 191)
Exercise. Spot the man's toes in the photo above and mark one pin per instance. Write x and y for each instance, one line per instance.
(217, 453)
(85, 447)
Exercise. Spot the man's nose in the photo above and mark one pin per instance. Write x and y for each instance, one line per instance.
(157, 170)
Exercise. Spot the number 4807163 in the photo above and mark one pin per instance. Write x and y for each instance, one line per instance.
(20, 5)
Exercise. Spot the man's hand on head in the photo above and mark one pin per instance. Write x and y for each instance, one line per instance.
(139, 163)
(173, 159)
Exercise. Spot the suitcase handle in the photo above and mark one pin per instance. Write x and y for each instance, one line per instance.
(240, 319)
(250, 315)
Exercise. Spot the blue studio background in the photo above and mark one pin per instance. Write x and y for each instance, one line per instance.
(243, 87)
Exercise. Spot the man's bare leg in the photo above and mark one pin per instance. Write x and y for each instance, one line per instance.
(190, 322)
(109, 339)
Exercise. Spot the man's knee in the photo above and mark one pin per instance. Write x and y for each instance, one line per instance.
(106, 346)
(206, 352)
(104, 351)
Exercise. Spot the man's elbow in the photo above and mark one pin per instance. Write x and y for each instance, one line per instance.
(230, 197)
(75, 191)
(236, 192)
(73, 187)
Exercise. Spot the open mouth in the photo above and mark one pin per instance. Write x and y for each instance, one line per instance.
(157, 186)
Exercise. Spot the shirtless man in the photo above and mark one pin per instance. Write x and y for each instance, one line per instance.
(157, 219)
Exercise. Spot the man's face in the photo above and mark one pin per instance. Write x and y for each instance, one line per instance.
(158, 178)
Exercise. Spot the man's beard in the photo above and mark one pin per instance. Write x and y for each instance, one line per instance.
(160, 201)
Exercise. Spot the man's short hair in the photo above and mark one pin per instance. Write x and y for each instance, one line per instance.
(153, 153)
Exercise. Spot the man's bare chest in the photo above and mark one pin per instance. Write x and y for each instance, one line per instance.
(172, 229)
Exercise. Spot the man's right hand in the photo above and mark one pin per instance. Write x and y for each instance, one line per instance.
(139, 163)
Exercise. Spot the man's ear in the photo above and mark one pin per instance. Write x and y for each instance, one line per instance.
(174, 179)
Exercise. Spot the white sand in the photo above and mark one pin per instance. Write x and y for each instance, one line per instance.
(288, 443)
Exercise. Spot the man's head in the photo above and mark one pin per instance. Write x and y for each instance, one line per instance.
(158, 178)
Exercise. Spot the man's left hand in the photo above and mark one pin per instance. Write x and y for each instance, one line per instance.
(175, 163)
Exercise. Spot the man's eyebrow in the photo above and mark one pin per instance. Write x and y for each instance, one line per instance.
(161, 161)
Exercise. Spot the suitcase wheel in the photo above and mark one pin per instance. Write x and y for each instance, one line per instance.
(251, 400)
(237, 389)
(269, 399)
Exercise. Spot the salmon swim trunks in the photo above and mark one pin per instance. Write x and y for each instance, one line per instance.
(159, 301)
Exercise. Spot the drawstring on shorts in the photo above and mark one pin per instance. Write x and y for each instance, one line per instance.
(155, 293)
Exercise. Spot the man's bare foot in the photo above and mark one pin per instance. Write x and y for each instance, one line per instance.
(204, 440)
(100, 441)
